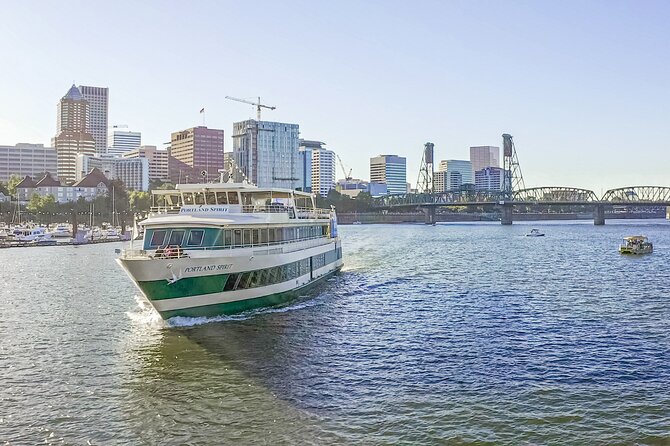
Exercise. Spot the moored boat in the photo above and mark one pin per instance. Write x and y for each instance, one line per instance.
(223, 248)
(636, 244)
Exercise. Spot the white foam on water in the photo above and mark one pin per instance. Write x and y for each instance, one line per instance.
(145, 313)
(182, 321)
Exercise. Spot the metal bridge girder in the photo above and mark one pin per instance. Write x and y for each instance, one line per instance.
(555, 193)
(647, 194)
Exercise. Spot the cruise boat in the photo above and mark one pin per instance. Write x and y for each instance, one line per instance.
(225, 248)
(636, 244)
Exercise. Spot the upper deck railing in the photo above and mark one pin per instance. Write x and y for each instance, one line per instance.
(292, 211)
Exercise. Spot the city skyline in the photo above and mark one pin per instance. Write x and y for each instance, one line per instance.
(582, 88)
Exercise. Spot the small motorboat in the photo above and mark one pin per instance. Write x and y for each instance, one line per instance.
(636, 244)
(535, 233)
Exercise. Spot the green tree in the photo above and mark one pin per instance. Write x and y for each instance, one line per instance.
(139, 201)
(11, 184)
(35, 204)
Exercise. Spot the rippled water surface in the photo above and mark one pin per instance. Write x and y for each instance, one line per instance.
(458, 333)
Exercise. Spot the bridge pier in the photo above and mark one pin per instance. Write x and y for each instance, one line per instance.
(430, 215)
(506, 215)
(599, 214)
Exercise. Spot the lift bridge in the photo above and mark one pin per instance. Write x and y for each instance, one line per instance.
(514, 193)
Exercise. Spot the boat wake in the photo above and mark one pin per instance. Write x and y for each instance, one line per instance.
(181, 321)
(144, 314)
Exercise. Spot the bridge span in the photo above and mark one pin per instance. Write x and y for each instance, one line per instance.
(639, 196)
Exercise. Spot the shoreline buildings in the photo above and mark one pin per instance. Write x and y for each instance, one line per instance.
(133, 172)
(72, 138)
(317, 166)
(122, 141)
(453, 175)
(27, 160)
(98, 105)
(390, 170)
(267, 153)
(158, 161)
(194, 152)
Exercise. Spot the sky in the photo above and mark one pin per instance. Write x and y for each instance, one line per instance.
(584, 87)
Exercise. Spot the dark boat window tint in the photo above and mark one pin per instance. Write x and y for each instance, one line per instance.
(247, 237)
(157, 238)
(254, 235)
(232, 198)
(237, 237)
(227, 237)
(176, 237)
(264, 235)
(199, 198)
(221, 198)
(195, 237)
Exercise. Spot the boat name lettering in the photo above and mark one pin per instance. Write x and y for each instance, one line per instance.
(188, 210)
(194, 269)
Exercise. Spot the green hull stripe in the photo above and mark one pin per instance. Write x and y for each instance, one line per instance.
(188, 286)
(241, 306)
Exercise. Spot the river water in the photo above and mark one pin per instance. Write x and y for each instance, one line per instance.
(452, 334)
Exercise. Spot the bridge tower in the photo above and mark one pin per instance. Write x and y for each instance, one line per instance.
(425, 182)
(513, 178)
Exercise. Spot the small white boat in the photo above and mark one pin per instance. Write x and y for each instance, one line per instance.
(357, 223)
(61, 231)
(535, 233)
(30, 235)
(636, 244)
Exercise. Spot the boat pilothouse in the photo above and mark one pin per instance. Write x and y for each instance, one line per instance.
(223, 248)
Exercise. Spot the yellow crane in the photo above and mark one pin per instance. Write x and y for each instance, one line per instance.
(257, 104)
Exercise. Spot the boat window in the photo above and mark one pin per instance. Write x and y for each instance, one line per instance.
(254, 235)
(157, 238)
(264, 235)
(210, 197)
(221, 198)
(247, 237)
(227, 237)
(195, 237)
(218, 240)
(188, 198)
(176, 237)
(237, 237)
(230, 283)
(199, 198)
(232, 198)
(246, 199)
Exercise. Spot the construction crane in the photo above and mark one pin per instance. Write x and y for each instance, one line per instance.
(347, 176)
(257, 104)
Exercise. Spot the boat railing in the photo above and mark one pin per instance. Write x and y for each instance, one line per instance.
(300, 212)
(164, 209)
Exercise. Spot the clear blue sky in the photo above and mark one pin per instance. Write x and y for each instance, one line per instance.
(584, 87)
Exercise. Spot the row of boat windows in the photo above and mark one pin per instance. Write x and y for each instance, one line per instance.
(232, 237)
(267, 276)
(279, 274)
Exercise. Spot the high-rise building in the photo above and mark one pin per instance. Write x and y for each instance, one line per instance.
(72, 138)
(133, 172)
(198, 149)
(482, 157)
(323, 171)
(267, 153)
(305, 149)
(390, 170)
(158, 160)
(27, 160)
(98, 103)
(453, 175)
(122, 141)
(489, 178)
